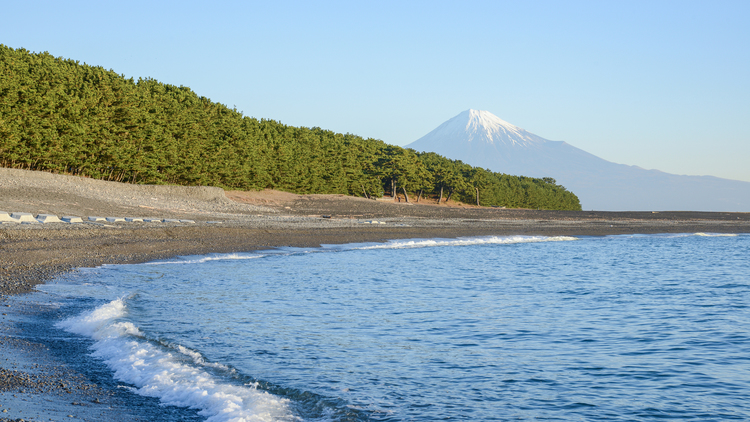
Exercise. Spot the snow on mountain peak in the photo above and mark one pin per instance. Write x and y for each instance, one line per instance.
(484, 126)
(476, 132)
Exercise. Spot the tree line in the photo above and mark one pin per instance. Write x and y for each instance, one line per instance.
(62, 116)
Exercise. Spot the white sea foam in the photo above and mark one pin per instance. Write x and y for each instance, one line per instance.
(226, 257)
(199, 360)
(414, 243)
(393, 244)
(715, 234)
(156, 371)
(487, 240)
(675, 235)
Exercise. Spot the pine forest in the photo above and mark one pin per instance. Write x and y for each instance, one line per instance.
(62, 116)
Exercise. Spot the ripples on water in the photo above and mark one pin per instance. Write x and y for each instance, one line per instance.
(615, 328)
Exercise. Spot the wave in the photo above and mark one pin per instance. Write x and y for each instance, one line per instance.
(715, 234)
(177, 376)
(485, 240)
(202, 259)
(676, 235)
(414, 243)
(392, 244)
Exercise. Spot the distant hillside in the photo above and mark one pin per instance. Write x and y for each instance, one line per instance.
(62, 116)
(482, 139)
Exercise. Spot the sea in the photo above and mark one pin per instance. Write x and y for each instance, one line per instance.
(615, 328)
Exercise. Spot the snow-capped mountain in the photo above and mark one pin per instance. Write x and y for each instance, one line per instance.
(479, 129)
(482, 139)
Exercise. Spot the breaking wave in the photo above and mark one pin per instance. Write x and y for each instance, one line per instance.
(202, 259)
(715, 234)
(487, 240)
(176, 375)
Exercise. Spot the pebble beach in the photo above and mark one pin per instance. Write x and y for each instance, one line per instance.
(156, 222)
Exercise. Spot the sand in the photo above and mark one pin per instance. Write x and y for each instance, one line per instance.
(37, 381)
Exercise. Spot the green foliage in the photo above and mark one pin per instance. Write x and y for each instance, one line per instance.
(62, 116)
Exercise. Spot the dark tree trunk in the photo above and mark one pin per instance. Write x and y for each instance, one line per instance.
(440, 198)
(450, 193)
(406, 195)
(477, 196)
(419, 195)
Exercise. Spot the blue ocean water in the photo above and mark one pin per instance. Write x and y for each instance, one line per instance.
(630, 328)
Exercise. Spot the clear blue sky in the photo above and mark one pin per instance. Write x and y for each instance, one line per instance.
(658, 84)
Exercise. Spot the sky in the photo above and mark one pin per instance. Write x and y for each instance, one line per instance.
(658, 84)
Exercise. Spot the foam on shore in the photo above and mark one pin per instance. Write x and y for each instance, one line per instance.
(715, 234)
(679, 235)
(175, 375)
(466, 241)
(391, 244)
(202, 259)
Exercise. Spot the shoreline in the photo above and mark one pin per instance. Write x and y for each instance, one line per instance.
(34, 382)
(33, 255)
(39, 378)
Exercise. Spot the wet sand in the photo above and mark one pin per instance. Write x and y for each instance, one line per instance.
(39, 380)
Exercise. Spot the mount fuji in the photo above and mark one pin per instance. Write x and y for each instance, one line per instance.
(482, 139)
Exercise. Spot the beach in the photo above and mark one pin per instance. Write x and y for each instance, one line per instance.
(34, 383)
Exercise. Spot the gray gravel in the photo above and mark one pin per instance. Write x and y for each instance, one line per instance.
(79, 196)
(32, 254)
